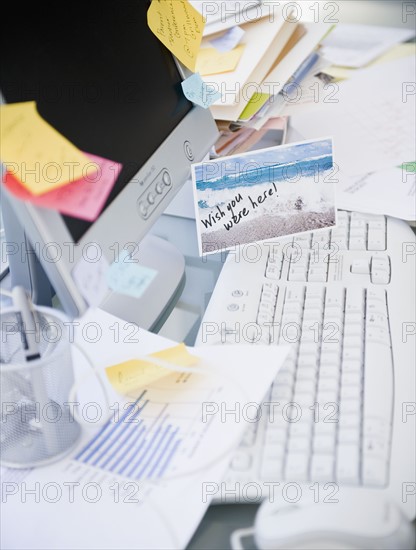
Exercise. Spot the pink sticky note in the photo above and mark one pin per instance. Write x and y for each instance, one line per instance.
(83, 198)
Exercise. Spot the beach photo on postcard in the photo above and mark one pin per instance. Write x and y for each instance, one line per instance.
(264, 194)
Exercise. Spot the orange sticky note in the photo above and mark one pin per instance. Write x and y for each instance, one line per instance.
(179, 26)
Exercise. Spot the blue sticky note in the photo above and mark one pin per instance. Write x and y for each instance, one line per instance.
(127, 276)
(197, 91)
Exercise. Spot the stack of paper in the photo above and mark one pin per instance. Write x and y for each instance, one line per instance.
(145, 477)
(251, 62)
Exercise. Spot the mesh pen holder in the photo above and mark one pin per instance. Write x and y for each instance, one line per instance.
(37, 425)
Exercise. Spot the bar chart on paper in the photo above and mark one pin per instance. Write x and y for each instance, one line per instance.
(132, 446)
(143, 439)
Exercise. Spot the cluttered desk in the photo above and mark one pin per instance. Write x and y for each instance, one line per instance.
(210, 299)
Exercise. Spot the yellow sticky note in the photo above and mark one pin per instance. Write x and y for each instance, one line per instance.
(179, 26)
(130, 375)
(39, 156)
(211, 61)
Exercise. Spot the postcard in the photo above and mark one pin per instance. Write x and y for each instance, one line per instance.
(265, 194)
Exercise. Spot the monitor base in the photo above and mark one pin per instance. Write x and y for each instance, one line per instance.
(152, 309)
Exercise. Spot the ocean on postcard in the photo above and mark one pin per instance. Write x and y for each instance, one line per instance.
(264, 194)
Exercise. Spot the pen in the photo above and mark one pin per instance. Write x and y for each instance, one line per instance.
(277, 102)
(28, 325)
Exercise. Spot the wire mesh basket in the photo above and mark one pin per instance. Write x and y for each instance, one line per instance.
(37, 424)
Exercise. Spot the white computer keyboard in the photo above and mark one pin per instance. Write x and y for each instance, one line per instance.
(344, 300)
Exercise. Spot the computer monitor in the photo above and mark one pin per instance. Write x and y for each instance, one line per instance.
(101, 78)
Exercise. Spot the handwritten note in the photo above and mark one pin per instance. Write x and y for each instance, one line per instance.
(89, 275)
(229, 40)
(83, 198)
(127, 276)
(179, 26)
(131, 375)
(211, 61)
(197, 91)
(37, 154)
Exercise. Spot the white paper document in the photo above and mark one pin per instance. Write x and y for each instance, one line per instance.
(390, 192)
(357, 45)
(142, 479)
(371, 119)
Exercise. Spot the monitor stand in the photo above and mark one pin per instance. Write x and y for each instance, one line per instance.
(153, 308)
(150, 311)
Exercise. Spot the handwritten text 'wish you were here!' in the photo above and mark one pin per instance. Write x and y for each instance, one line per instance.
(238, 215)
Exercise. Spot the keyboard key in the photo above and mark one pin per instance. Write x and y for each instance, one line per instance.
(357, 243)
(324, 443)
(297, 274)
(276, 435)
(380, 277)
(361, 267)
(327, 397)
(376, 239)
(241, 462)
(296, 467)
(349, 406)
(274, 451)
(374, 447)
(376, 427)
(271, 287)
(270, 470)
(349, 420)
(307, 372)
(374, 472)
(317, 275)
(352, 366)
(273, 272)
(282, 393)
(299, 444)
(334, 297)
(300, 429)
(296, 294)
(351, 378)
(347, 464)
(304, 399)
(322, 467)
(350, 392)
(353, 342)
(325, 428)
(349, 435)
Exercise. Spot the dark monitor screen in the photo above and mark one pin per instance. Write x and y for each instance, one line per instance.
(98, 75)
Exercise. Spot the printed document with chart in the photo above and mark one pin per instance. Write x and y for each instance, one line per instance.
(139, 481)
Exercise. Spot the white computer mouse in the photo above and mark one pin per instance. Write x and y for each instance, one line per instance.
(362, 519)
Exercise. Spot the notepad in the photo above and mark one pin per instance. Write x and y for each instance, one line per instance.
(35, 153)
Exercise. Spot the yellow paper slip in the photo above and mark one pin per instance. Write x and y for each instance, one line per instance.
(37, 154)
(211, 61)
(179, 26)
(256, 102)
(131, 375)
